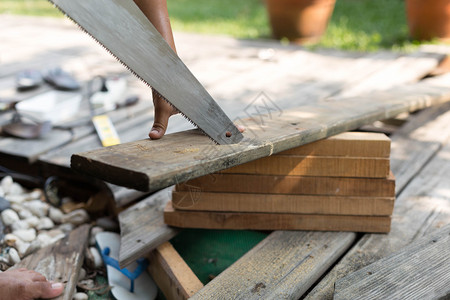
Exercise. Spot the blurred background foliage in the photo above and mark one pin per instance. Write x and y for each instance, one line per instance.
(356, 25)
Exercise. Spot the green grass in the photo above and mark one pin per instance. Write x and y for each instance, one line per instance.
(29, 7)
(237, 18)
(357, 25)
(368, 25)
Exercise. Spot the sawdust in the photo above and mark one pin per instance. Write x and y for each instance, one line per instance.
(187, 150)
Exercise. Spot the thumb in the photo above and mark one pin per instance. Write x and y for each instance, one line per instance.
(46, 290)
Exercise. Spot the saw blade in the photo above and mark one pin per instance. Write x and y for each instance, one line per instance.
(123, 30)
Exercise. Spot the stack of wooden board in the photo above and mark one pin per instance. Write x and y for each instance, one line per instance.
(342, 183)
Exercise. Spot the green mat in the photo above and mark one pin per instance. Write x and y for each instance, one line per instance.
(209, 252)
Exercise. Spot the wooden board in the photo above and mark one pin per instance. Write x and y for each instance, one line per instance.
(419, 271)
(272, 221)
(292, 185)
(171, 273)
(293, 261)
(421, 207)
(348, 144)
(299, 204)
(416, 145)
(61, 261)
(150, 165)
(142, 227)
(329, 166)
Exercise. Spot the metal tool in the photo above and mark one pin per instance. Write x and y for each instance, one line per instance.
(121, 27)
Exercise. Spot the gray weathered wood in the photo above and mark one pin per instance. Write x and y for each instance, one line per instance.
(422, 206)
(142, 227)
(150, 165)
(417, 145)
(293, 261)
(419, 271)
(61, 261)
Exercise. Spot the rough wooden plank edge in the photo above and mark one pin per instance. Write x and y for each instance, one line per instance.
(274, 221)
(125, 164)
(142, 227)
(61, 262)
(171, 273)
(419, 271)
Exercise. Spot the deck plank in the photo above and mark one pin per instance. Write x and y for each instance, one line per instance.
(142, 227)
(61, 261)
(419, 271)
(293, 261)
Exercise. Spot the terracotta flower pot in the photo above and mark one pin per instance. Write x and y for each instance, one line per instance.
(299, 21)
(428, 19)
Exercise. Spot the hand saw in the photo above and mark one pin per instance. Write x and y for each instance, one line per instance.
(122, 28)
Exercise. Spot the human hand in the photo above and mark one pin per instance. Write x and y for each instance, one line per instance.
(23, 284)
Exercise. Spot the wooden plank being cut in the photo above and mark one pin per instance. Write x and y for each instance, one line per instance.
(171, 273)
(153, 164)
(292, 185)
(329, 166)
(272, 221)
(298, 204)
(61, 261)
(349, 144)
(421, 206)
(419, 271)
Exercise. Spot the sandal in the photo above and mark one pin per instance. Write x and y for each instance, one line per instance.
(131, 283)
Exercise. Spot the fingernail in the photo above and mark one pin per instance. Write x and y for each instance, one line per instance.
(57, 285)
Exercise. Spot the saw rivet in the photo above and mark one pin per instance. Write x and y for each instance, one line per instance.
(228, 134)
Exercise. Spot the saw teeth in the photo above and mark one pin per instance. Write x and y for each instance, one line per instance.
(131, 71)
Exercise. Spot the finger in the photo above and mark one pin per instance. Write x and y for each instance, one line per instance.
(163, 111)
(240, 128)
(35, 276)
(46, 289)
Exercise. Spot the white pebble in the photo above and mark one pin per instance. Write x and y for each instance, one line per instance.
(14, 257)
(25, 213)
(21, 224)
(20, 198)
(10, 239)
(2, 192)
(82, 274)
(34, 245)
(15, 189)
(22, 247)
(9, 216)
(26, 235)
(37, 207)
(33, 221)
(45, 223)
(55, 214)
(35, 194)
(80, 296)
(6, 184)
(94, 231)
(50, 237)
(17, 207)
(76, 217)
(44, 239)
(97, 260)
(66, 227)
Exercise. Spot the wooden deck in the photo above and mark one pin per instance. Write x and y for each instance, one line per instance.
(287, 264)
